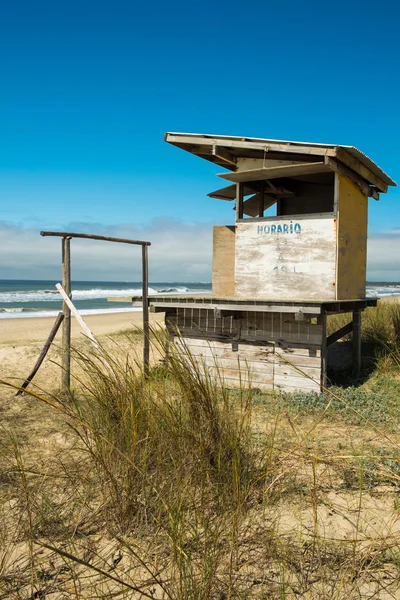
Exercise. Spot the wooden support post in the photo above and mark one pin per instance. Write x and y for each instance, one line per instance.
(239, 200)
(357, 343)
(262, 193)
(66, 332)
(324, 378)
(145, 302)
(52, 335)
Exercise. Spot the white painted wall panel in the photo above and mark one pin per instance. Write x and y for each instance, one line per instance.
(286, 259)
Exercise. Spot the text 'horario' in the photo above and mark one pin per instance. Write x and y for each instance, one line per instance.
(281, 228)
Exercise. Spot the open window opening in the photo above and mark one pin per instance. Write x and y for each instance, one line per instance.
(312, 194)
(305, 194)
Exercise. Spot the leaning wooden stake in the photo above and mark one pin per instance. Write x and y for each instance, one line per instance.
(82, 324)
(66, 337)
(43, 353)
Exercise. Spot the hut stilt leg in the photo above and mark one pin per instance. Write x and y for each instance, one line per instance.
(357, 343)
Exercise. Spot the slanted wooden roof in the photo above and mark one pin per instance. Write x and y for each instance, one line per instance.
(225, 150)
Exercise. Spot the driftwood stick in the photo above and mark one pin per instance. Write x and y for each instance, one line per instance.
(53, 332)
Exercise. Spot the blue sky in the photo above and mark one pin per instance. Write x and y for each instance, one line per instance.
(89, 88)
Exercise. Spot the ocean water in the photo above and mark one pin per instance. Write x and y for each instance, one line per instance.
(380, 289)
(23, 298)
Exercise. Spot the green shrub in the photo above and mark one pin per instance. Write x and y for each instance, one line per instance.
(352, 404)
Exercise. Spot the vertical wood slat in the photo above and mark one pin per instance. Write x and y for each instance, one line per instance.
(239, 200)
(324, 356)
(66, 330)
(262, 193)
(252, 325)
(223, 261)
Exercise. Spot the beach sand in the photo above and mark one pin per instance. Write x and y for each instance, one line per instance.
(21, 341)
(17, 331)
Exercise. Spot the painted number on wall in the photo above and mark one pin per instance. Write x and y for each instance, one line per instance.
(286, 268)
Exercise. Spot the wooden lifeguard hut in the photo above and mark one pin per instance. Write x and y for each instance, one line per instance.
(296, 253)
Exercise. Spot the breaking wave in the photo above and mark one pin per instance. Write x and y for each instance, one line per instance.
(384, 290)
(90, 294)
(35, 313)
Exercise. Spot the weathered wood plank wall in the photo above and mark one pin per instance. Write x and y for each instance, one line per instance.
(270, 351)
(223, 266)
(352, 239)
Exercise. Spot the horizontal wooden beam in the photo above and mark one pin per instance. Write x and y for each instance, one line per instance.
(208, 299)
(276, 172)
(354, 164)
(229, 192)
(366, 189)
(89, 236)
(337, 335)
(120, 299)
(161, 306)
(183, 140)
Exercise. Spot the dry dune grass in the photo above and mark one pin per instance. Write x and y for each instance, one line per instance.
(380, 329)
(175, 487)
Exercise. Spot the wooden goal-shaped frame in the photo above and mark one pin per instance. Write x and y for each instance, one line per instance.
(66, 284)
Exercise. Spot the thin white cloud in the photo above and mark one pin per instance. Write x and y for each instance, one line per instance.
(178, 251)
(384, 256)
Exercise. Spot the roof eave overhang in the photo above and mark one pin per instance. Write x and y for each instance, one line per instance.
(225, 150)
